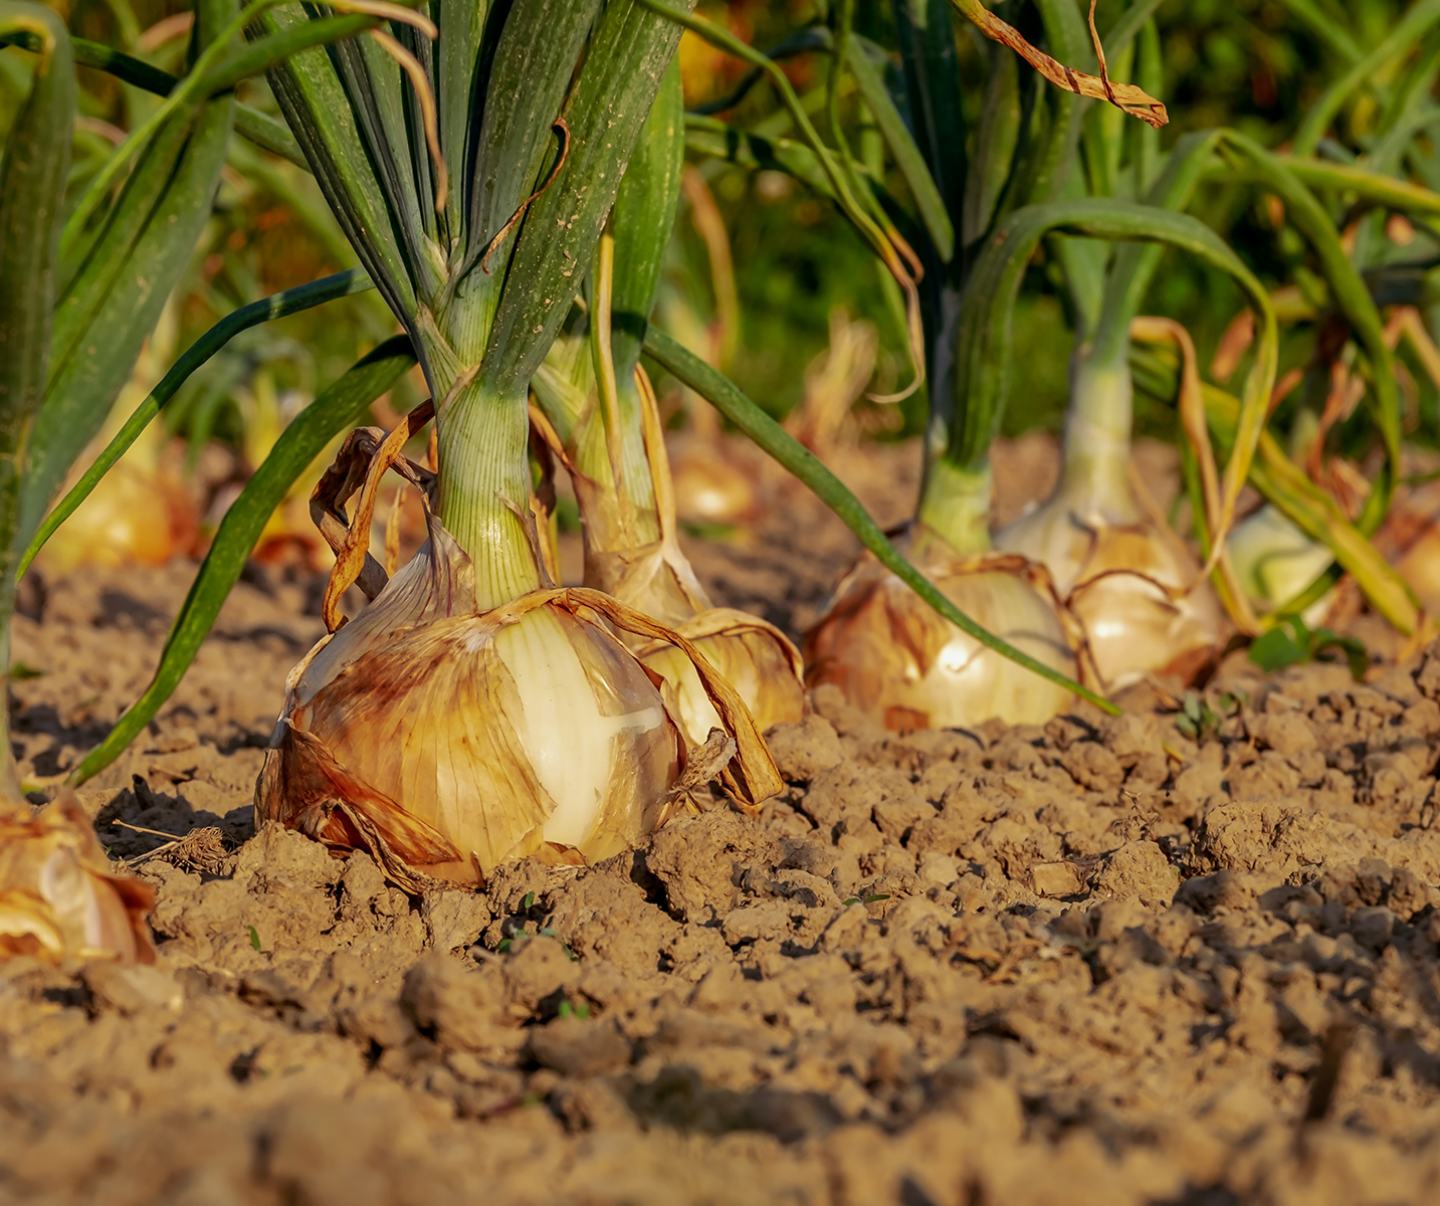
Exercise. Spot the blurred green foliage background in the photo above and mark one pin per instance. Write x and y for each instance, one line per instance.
(758, 266)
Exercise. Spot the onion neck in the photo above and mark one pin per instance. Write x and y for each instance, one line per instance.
(955, 508)
(1095, 474)
(485, 489)
(619, 515)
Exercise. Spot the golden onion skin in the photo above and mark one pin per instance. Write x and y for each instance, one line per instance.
(1419, 566)
(1121, 576)
(59, 896)
(469, 741)
(893, 656)
(446, 740)
(1410, 538)
(708, 487)
(758, 659)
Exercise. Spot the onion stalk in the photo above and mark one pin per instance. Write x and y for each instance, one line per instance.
(599, 415)
(473, 712)
(1139, 592)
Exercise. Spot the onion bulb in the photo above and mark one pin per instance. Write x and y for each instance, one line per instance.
(1410, 537)
(447, 740)
(133, 516)
(757, 659)
(1133, 585)
(893, 656)
(1274, 561)
(59, 896)
(632, 552)
(709, 486)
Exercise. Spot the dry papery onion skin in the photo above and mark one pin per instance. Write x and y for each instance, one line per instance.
(60, 898)
(448, 740)
(1135, 589)
(655, 578)
(756, 658)
(894, 657)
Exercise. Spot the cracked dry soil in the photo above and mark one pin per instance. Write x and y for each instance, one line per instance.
(1090, 962)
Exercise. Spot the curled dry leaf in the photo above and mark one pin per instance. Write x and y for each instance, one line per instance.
(756, 658)
(1126, 97)
(447, 740)
(59, 895)
(892, 655)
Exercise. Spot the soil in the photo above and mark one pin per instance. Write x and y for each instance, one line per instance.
(1098, 961)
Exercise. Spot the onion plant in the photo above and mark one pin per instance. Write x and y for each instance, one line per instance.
(602, 421)
(473, 711)
(978, 220)
(346, 400)
(1373, 118)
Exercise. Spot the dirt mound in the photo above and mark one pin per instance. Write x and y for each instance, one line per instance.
(1098, 961)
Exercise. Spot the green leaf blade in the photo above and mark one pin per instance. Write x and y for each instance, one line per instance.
(809, 469)
(340, 406)
(624, 65)
(278, 305)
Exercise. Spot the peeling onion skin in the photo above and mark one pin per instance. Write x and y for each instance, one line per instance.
(1107, 562)
(60, 898)
(894, 657)
(757, 658)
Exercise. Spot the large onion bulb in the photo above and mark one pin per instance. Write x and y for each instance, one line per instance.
(59, 896)
(447, 740)
(892, 655)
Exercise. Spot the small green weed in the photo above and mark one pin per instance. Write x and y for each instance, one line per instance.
(1292, 642)
(1201, 722)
